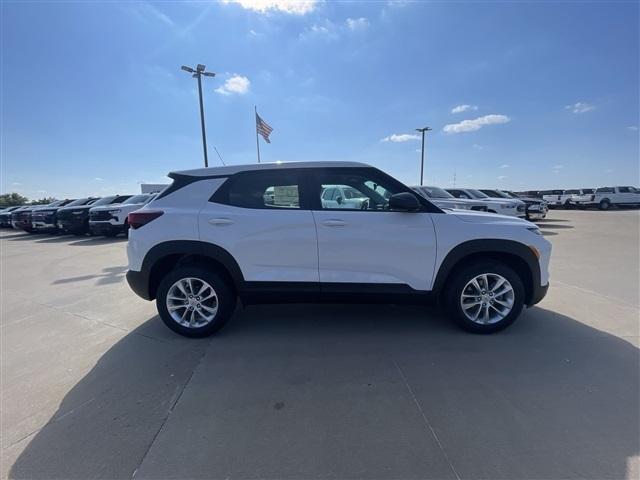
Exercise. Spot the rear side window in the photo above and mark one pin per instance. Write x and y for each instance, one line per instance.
(261, 190)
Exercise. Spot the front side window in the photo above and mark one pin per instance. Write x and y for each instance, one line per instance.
(624, 189)
(261, 190)
(359, 190)
(605, 190)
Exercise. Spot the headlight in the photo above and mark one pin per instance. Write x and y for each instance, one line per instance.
(117, 210)
(535, 230)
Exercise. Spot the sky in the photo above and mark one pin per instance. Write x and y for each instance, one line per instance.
(520, 95)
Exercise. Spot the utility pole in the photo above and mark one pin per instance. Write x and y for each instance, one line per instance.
(197, 73)
(423, 130)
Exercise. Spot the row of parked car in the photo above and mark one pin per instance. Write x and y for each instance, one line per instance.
(487, 200)
(96, 215)
(602, 198)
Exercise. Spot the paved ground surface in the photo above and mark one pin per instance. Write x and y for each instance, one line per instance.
(93, 385)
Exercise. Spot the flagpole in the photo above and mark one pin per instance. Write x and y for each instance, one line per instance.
(257, 140)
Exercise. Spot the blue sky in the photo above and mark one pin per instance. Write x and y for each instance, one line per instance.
(94, 102)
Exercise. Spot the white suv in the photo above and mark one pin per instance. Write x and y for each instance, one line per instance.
(503, 206)
(605, 197)
(262, 233)
(110, 220)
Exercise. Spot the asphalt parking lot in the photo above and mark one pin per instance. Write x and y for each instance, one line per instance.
(94, 385)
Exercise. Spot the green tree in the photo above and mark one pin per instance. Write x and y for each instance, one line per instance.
(12, 199)
(43, 201)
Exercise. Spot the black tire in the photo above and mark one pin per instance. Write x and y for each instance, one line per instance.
(604, 204)
(459, 280)
(225, 292)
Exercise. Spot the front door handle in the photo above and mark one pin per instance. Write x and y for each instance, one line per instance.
(220, 221)
(334, 223)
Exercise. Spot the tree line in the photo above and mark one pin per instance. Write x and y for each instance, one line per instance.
(15, 199)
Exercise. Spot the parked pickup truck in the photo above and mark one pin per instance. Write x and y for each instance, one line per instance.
(606, 197)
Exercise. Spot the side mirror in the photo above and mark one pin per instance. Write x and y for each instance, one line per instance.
(404, 202)
(339, 200)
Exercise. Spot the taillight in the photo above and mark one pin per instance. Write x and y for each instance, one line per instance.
(142, 217)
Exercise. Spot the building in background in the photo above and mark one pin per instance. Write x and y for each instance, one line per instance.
(152, 187)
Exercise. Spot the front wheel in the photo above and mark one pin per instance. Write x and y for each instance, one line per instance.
(485, 297)
(604, 204)
(195, 302)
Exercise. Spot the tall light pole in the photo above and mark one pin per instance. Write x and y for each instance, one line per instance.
(198, 73)
(423, 130)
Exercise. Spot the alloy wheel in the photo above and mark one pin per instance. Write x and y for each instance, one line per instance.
(192, 302)
(487, 298)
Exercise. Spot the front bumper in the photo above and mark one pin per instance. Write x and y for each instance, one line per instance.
(100, 228)
(72, 224)
(538, 294)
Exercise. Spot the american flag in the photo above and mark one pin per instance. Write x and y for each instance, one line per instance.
(263, 128)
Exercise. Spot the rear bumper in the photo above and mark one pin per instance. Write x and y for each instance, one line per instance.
(538, 294)
(139, 283)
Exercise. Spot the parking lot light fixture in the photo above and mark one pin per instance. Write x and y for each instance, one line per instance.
(197, 73)
(422, 130)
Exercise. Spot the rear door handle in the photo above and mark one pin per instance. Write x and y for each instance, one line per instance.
(220, 221)
(334, 223)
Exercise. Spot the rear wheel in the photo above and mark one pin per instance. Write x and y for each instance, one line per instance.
(195, 302)
(485, 297)
(604, 204)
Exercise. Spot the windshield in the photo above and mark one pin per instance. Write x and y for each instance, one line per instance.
(476, 193)
(137, 199)
(511, 195)
(436, 192)
(104, 200)
(80, 201)
(571, 192)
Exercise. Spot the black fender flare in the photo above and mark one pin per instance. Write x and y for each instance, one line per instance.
(488, 246)
(191, 247)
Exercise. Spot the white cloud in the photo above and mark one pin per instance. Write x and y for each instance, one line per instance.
(580, 107)
(632, 128)
(477, 146)
(252, 32)
(502, 177)
(463, 108)
(475, 124)
(16, 184)
(557, 167)
(505, 165)
(354, 24)
(608, 170)
(98, 179)
(234, 84)
(400, 138)
(294, 7)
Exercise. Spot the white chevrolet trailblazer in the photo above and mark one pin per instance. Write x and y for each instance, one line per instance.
(263, 234)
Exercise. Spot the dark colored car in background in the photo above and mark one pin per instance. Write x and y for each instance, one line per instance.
(5, 216)
(75, 218)
(44, 219)
(24, 217)
(21, 218)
